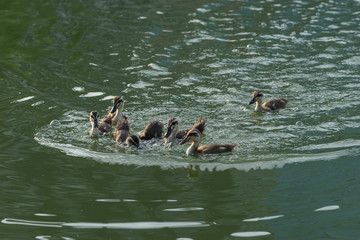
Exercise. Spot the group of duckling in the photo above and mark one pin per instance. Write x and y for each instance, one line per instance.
(154, 129)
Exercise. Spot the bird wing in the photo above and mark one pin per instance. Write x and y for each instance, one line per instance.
(200, 124)
(277, 103)
(216, 148)
(181, 134)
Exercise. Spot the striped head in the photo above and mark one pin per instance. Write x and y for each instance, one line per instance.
(256, 96)
(118, 103)
(173, 128)
(193, 135)
(94, 119)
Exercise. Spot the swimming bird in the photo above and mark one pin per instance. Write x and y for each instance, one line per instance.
(122, 133)
(133, 140)
(102, 128)
(122, 130)
(268, 106)
(152, 129)
(194, 136)
(173, 131)
(116, 110)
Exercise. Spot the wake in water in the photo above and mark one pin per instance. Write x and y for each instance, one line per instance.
(70, 134)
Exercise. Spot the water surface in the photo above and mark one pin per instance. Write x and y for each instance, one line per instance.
(293, 174)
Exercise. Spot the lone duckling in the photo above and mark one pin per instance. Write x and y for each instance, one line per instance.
(116, 110)
(152, 129)
(102, 128)
(194, 136)
(268, 106)
(173, 132)
(122, 133)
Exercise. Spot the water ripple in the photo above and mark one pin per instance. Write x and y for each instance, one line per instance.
(122, 225)
(250, 234)
(327, 208)
(262, 218)
(183, 209)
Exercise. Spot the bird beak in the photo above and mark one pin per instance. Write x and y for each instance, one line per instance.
(96, 123)
(185, 140)
(252, 101)
(168, 132)
(115, 107)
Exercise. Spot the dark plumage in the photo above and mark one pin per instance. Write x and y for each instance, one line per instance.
(194, 136)
(122, 130)
(116, 110)
(174, 132)
(105, 125)
(99, 128)
(133, 140)
(268, 106)
(200, 125)
(152, 129)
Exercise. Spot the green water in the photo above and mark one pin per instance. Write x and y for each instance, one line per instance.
(293, 175)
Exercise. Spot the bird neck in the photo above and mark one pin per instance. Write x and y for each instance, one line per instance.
(172, 135)
(192, 150)
(94, 130)
(258, 105)
(117, 116)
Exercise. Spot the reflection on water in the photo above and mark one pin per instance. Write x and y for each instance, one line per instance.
(328, 208)
(262, 218)
(88, 225)
(250, 234)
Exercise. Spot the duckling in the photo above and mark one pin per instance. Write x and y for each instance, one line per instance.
(268, 106)
(122, 133)
(133, 140)
(152, 129)
(194, 136)
(102, 128)
(116, 110)
(173, 132)
(122, 130)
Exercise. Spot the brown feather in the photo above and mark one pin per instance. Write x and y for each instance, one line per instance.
(152, 129)
(270, 105)
(133, 140)
(216, 148)
(194, 136)
(200, 124)
(277, 103)
(106, 124)
(103, 127)
(170, 120)
(181, 134)
(122, 130)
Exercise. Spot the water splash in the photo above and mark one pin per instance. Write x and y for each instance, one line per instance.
(70, 135)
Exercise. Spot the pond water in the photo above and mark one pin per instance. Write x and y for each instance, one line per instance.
(293, 174)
